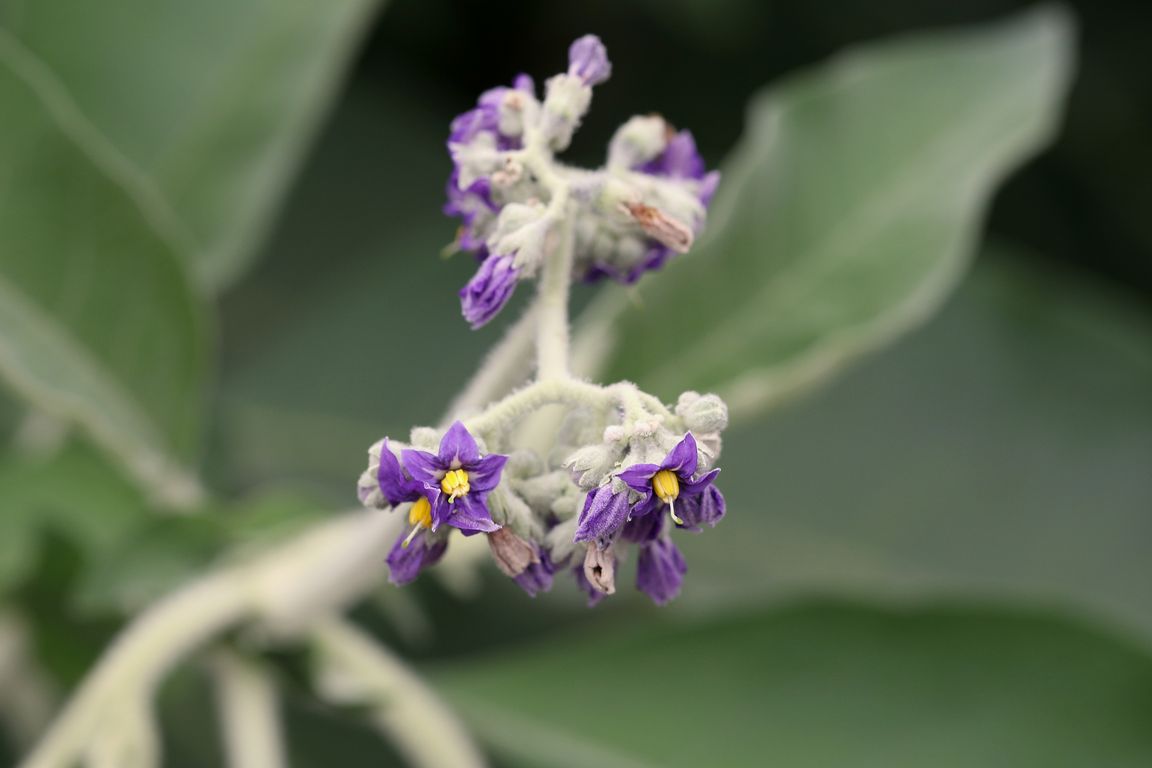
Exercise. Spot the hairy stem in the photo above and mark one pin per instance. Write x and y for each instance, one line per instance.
(353, 669)
(248, 706)
(552, 327)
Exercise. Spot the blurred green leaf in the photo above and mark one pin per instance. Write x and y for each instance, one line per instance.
(159, 555)
(214, 101)
(1002, 451)
(97, 321)
(818, 685)
(846, 214)
(75, 495)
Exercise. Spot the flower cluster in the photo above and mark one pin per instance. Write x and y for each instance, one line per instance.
(631, 488)
(647, 203)
(624, 471)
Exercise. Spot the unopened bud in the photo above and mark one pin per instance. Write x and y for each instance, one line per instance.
(705, 413)
(638, 141)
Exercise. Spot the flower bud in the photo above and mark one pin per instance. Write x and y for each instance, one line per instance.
(703, 413)
(566, 103)
(591, 464)
(637, 142)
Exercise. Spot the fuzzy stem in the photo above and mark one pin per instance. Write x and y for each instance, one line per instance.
(352, 668)
(249, 712)
(555, 284)
(131, 668)
(504, 414)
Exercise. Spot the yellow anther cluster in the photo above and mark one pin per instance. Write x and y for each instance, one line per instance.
(455, 484)
(666, 485)
(421, 513)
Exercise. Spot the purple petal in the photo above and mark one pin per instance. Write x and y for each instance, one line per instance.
(697, 486)
(470, 515)
(457, 448)
(405, 563)
(488, 290)
(524, 84)
(537, 577)
(423, 466)
(638, 477)
(683, 458)
(393, 484)
(594, 595)
(442, 509)
(484, 474)
(708, 187)
(603, 514)
(660, 571)
(588, 60)
(707, 508)
(643, 528)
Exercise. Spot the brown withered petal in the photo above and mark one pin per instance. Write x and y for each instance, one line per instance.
(512, 554)
(600, 568)
(661, 227)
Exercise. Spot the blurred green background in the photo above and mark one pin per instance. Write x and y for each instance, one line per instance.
(940, 557)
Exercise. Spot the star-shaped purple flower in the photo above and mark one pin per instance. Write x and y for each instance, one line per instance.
(413, 551)
(671, 481)
(459, 480)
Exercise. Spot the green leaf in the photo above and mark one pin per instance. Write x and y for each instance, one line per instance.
(1003, 450)
(99, 325)
(159, 555)
(75, 495)
(819, 686)
(846, 214)
(214, 101)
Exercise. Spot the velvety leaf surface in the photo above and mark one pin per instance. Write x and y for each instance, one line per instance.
(817, 685)
(846, 213)
(213, 101)
(1001, 451)
(99, 325)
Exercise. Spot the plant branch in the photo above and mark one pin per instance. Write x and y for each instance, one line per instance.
(351, 668)
(248, 706)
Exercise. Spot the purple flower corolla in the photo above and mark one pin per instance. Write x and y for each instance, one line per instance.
(603, 514)
(459, 480)
(668, 481)
(485, 116)
(537, 577)
(660, 570)
(588, 60)
(410, 556)
(469, 205)
(488, 290)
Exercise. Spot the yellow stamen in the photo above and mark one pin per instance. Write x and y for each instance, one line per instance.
(666, 485)
(419, 516)
(455, 484)
(421, 513)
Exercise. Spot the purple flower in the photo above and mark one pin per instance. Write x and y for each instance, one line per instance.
(469, 205)
(537, 577)
(588, 60)
(660, 570)
(411, 555)
(458, 479)
(603, 514)
(665, 483)
(488, 290)
(485, 116)
(705, 509)
(396, 486)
